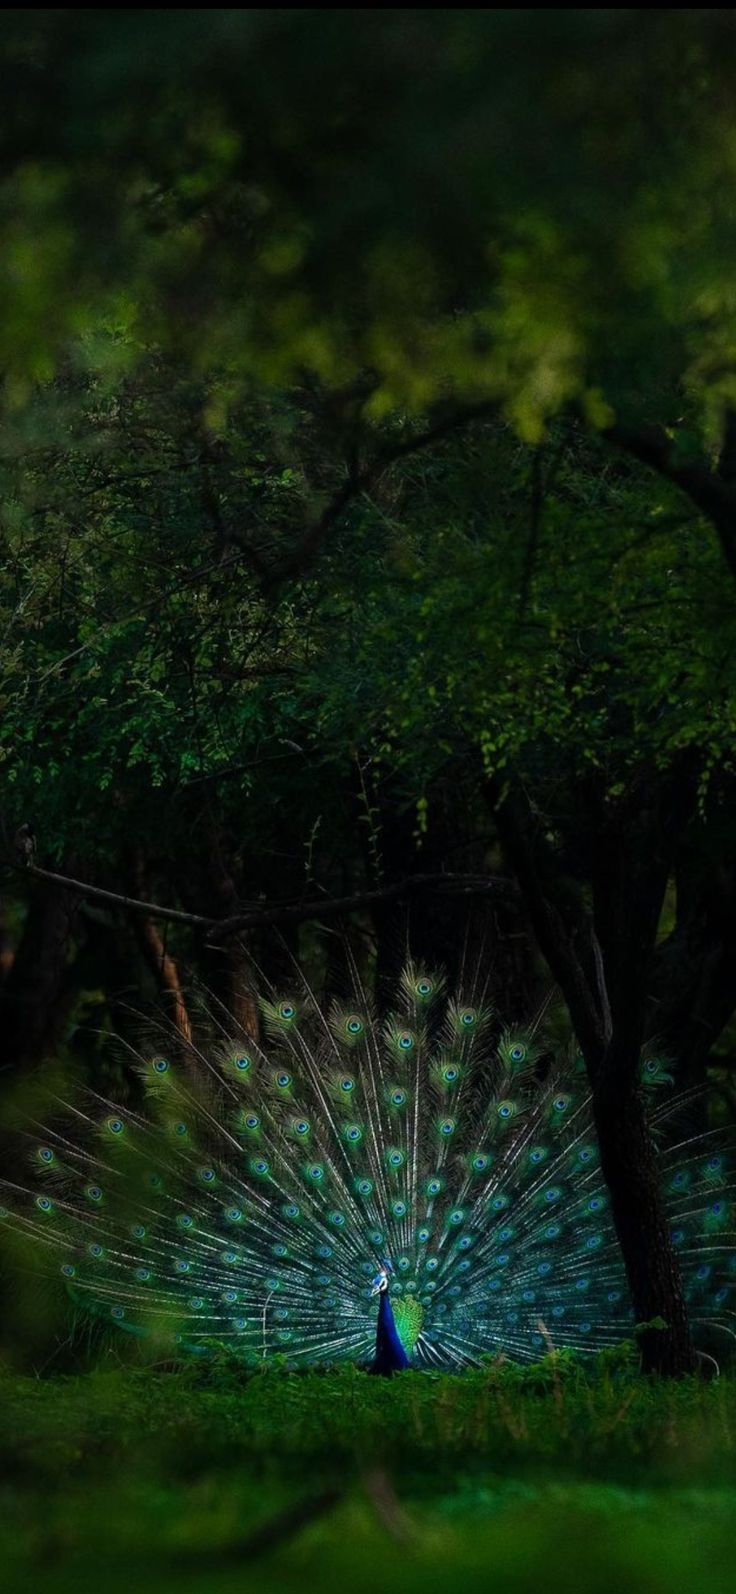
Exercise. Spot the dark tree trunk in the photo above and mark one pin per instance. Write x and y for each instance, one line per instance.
(31, 995)
(694, 986)
(629, 1165)
(602, 965)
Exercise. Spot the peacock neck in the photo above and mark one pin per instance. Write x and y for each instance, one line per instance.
(390, 1355)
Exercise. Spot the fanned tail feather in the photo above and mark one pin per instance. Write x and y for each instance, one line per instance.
(252, 1199)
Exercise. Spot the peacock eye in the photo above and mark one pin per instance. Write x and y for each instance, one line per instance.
(181, 1130)
(302, 1126)
(316, 1172)
(67, 1270)
(347, 1085)
(560, 1103)
(243, 1063)
(518, 1053)
(138, 1232)
(406, 1041)
(354, 1025)
(399, 1209)
(251, 1121)
(43, 1202)
(160, 1065)
(94, 1192)
(117, 1312)
(287, 1010)
(207, 1174)
(467, 1017)
(115, 1125)
(447, 1126)
(354, 1133)
(450, 1074)
(398, 1097)
(46, 1154)
(283, 1080)
(233, 1214)
(364, 1187)
(424, 988)
(434, 1187)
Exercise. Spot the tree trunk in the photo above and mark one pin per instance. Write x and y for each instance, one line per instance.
(629, 1166)
(602, 969)
(30, 999)
(165, 972)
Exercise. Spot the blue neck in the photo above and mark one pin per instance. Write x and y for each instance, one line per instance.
(390, 1355)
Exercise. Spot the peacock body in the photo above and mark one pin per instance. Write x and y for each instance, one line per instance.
(267, 1192)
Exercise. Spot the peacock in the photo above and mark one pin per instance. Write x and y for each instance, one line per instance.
(268, 1195)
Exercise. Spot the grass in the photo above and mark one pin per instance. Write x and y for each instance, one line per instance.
(211, 1480)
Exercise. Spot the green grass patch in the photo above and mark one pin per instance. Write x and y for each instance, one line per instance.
(508, 1478)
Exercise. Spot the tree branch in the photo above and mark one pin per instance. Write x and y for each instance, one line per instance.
(712, 492)
(359, 480)
(279, 913)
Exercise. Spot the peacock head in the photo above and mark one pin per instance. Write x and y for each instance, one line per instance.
(380, 1283)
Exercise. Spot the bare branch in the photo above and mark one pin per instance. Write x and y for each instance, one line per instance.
(278, 913)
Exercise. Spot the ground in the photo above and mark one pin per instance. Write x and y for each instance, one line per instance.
(211, 1479)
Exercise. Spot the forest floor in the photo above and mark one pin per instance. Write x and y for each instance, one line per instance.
(211, 1480)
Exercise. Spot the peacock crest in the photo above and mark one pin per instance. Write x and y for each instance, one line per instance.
(264, 1186)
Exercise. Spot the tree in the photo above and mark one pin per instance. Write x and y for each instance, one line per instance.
(394, 354)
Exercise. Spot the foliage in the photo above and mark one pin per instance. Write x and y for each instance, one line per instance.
(527, 210)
